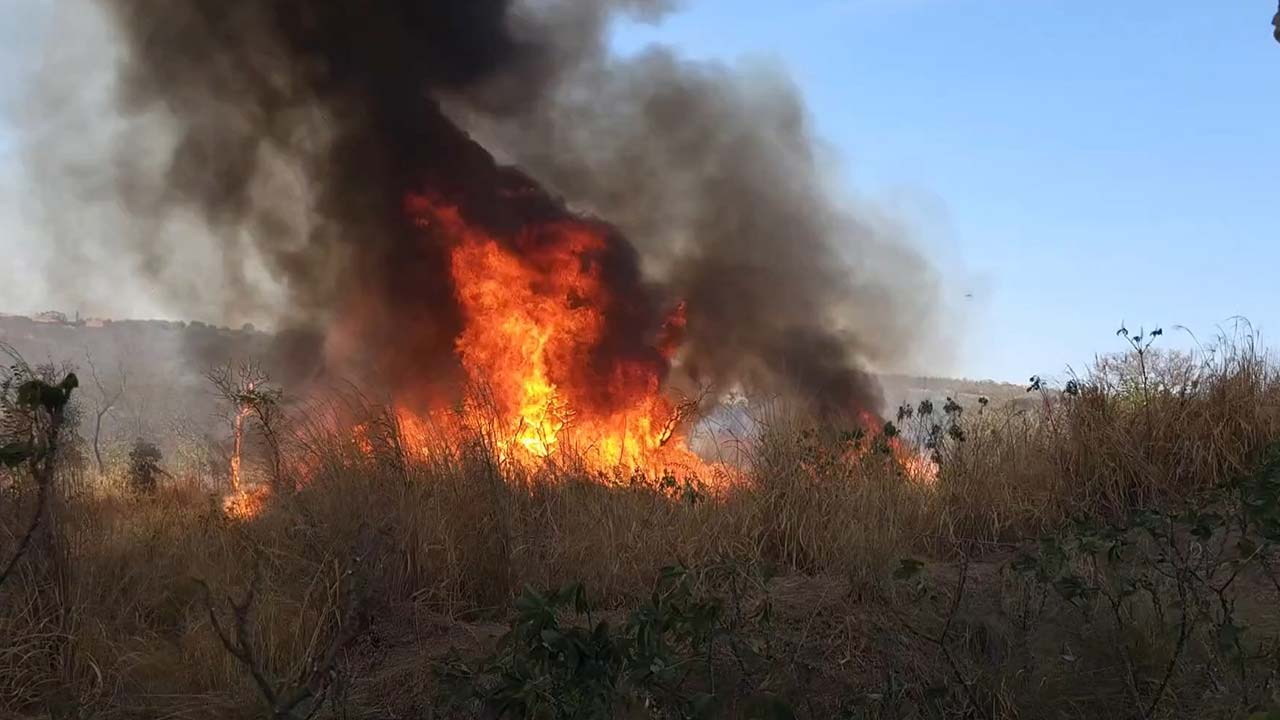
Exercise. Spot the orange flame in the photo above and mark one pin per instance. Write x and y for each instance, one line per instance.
(245, 504)
(914, 464)
(242, 503)
(238, 445)
(534, 313)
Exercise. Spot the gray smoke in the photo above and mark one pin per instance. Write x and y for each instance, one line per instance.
(716, 175)
(260, 152)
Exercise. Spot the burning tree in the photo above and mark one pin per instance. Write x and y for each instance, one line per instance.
(246, 390)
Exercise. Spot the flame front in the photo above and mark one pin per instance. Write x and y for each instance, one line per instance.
(237, 448)
(534, 310)
(247, 503)
(914, 463)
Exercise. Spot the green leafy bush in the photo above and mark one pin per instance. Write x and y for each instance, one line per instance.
(1179, 573)
(558, 661)
(144, 466)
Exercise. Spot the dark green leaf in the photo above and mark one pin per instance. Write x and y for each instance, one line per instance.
(1228, 638)
(1246, 547)
(702, 705)
(14, 454)
(907, 569)
(768, 707)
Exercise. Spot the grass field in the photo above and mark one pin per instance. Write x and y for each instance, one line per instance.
(1109, 553)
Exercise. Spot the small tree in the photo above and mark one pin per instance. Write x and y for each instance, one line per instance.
(144, 467)
(106, 397)
(246, 388)
(32, 414)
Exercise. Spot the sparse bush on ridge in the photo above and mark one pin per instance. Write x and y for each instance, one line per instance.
(444, 537)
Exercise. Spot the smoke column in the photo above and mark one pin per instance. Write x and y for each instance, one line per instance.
(297, 129)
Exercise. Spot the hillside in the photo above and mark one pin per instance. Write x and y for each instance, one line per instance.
(176, 354)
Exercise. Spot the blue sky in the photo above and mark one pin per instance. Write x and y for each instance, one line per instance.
(1072, 165)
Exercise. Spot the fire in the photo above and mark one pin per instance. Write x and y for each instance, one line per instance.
(914, 464)
(238, 442)
(535, 309)
(245, 504)
(242, 503)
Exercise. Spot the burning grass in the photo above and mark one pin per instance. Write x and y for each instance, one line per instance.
(424, 537)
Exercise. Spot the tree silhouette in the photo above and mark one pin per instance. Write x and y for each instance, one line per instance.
(247, 392)
(104, 401)
(32, 414)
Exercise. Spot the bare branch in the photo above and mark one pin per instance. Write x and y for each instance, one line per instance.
(317, 669)
(104, 402)
(247, 391)
(42, 499)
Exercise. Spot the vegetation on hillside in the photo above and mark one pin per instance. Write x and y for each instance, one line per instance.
(1108, 550)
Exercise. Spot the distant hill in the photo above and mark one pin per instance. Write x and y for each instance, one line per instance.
(160, 363)
(163, 363)
(54, 336)
(904, 388)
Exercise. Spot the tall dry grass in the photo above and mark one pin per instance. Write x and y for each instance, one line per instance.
(1138, 429)
(110, 613)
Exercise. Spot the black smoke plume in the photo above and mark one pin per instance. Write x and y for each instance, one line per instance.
(343, 108)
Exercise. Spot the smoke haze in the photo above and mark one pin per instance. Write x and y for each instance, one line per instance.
(250, 160)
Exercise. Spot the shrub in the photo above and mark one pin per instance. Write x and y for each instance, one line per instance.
(144, 467)
(1180, 575)
(556, 661)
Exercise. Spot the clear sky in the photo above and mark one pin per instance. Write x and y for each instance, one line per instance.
(1072, 164)
(1069, 164)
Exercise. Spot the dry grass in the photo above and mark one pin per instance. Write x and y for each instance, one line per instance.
(108, 614)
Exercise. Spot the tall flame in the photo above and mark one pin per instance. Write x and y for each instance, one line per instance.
(914, 463)
(242, 502)
(534, 310)
(237, 449)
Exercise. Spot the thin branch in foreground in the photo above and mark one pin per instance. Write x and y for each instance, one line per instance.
(42, 499)
(317, 671)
